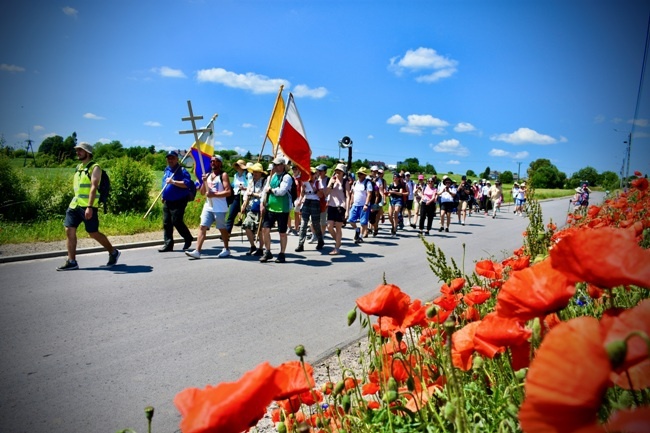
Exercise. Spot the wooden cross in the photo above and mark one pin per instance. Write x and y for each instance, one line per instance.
(192, 118)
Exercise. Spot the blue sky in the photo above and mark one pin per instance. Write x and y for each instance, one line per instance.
(458, 84)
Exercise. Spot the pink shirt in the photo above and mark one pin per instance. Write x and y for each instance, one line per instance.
(428, 193)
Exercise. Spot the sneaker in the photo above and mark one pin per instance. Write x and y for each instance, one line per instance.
(447, 229)
(112, 258)
(300, 249)
(224, 253)
(320, 245)
(360, 240)
(463, 223)
(259, 252)
(427, 232)
(266, 257)
(69, 265)
(196, 254)
(251, 251)
(280, 258)
(412, 226)
(441, 229)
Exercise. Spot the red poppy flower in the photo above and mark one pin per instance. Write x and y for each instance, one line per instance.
(462, 346)
(636, 377)
(640, 184)
(489, 269)
(477, 296)
(495, 333)
(567, 379)
(607, 257)
(369, 388)
(373, 404)
(385, 300)
(620, 327)
(291, 380)
(534, 292)
(448, 302)
(517, 263)
(470, 314)
(456, 285)
(630, 421)
(228, 407)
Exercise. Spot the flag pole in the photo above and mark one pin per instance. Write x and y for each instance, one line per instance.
(179, 166)
(266, 136)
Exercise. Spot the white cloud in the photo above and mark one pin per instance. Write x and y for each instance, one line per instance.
(71, 12)
(411, 130)
(302, 91)
(255, 83)
(93, 116)
(424, 59)
(396, 119)
(104, 140)
(248, 125)
(22, 136)
(639, 122)
(166, 71)
(11, 68)
(152, 123)
(38, 128)
(225, 132)
(240, 150)
(599, 119)
(426, 120)
(524, 136)
(371, 137)
(464, 127)
(452, 146)
(453, 162)
(505, 154)
(49, 134)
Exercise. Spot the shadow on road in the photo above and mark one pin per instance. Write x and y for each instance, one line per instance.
(123, 269)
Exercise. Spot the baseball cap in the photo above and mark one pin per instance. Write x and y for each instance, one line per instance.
(172, 153)
(321, 167)
(279, 160)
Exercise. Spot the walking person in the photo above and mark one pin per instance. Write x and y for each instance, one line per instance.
(496, 197)
(410, 197)
(428, 205)
(359, 205)
(83, 209)
(276, 205)
(295, 201)
(520, 200)
(337, 197)
(216, 188)
(239, 185)
(251, 207)
(310, 197)
(464, 196)
(395, 196)
(176, 186)
(446, 202)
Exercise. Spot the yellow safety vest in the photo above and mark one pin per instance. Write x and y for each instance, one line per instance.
(81, 184)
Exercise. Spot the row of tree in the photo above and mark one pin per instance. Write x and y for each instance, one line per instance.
(57, 151)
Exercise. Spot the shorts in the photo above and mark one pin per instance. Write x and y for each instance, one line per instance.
(251, 221)
(447, 206)
(357, 214)
(520, 201)
(336, 214)
(270, 218)
(74, 217)
(323, 218)
(396, 201)
(408, 205)
(218, 218)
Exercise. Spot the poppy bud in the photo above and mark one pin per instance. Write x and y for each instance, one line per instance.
(477, 363)
(521, 374)
(148, 412)
(392, 384)
(300, 351)
(431, 311)
(281, 427)
(449, 411)
(450, 324)
(537, 331)
(390, 396)
(339, 387)
(410, 383)
(616, 351)
(352, 316)
(346, 403)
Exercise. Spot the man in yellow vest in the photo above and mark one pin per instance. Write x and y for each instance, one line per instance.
(83, 208)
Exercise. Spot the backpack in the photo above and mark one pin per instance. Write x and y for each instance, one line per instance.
(191, 194)
(294, 188)
(375, 190)
(104, 188)
(583, 198)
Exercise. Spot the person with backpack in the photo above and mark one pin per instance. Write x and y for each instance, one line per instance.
(83, 208)
(310, 197)
(276, 206)
(177, 186)
(581, 200)
(359, 205)
(216, 188)
(337, 197)
(395, 192)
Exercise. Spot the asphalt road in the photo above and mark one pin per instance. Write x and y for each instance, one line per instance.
(86, 351)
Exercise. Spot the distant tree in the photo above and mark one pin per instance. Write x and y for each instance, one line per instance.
(486, 173)
(543, 174)
(429, 169)
(411, 165)
(507, 177)
(227, 154)
(588, 174)
(49, 142)
(111, 150)
(137, 153)
(609, 180)
(470, 173)
(152, 149)
(248, 156)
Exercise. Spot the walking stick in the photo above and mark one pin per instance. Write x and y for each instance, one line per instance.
(163, 188)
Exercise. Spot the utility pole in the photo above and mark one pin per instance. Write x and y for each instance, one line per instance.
(29, 142)
(518, 167)
(627, 168)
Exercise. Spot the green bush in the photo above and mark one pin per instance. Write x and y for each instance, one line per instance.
(51, 197)
(131, 182)
(15, 204)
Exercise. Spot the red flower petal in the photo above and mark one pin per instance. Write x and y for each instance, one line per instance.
(385, 300)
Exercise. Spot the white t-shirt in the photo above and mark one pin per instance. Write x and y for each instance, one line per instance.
(360, 189)
(445, 196)
(215, 204)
